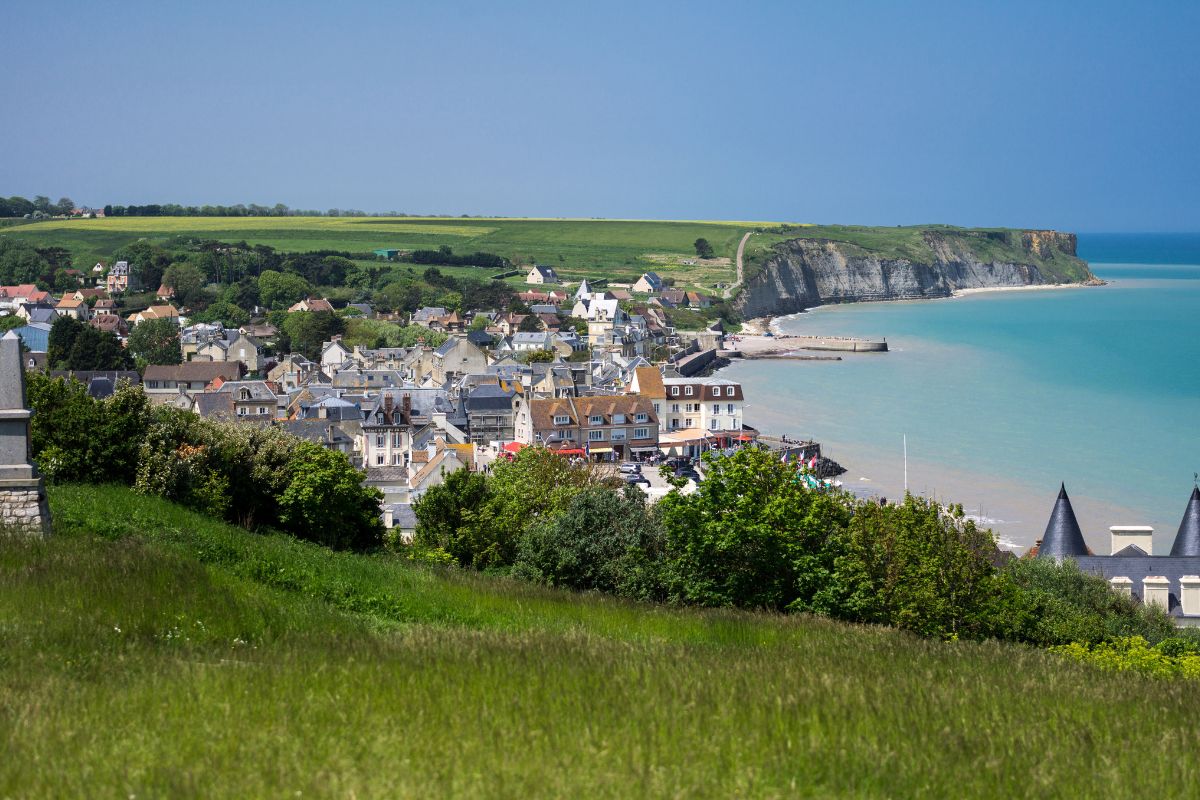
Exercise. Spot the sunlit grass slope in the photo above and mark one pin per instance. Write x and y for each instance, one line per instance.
(149, 651)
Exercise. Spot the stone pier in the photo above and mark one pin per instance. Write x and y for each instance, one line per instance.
(23, 507)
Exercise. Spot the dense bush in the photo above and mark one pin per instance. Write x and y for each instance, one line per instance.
(1059, 603)
(1170, 658)
(924, 568)
(752, 536)
(76, 438)
(480, 521)
(256, 477)
(604, 540)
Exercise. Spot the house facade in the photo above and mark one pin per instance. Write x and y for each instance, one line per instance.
(606, 428)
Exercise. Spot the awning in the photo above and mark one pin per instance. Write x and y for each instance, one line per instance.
(513, 447)
(571, 451)
(600, 449)
(643, 449)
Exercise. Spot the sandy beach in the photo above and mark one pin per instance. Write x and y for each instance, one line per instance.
(1030, 288)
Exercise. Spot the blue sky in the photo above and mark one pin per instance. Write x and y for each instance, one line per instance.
(1080, 116)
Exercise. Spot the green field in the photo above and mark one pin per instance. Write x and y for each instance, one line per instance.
(147, 651)
(617, 249)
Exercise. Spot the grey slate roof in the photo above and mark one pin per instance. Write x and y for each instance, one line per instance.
(1187, 538)
(1137, 568)
(403, 516)
(1062, 537)
(489, 397)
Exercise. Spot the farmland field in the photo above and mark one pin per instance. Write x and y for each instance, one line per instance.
(148, 651)
(617, 249)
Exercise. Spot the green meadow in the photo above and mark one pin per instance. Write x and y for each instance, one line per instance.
(148, 651)
(617, 249)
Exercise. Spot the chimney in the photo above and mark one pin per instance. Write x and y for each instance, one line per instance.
(1189, 595)
(387, 409)
(1121, 585)
(407, 407)
(1141, 536)
(1156, 590)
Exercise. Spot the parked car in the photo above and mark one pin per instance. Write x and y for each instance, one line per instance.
(631, 467)
(635, 477)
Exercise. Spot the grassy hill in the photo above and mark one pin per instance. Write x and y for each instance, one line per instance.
(149, 651)
(577, 248)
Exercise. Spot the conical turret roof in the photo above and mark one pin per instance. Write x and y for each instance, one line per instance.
(1187, 540)
(1062, 538)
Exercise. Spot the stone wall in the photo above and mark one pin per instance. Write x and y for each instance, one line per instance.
(24, 510)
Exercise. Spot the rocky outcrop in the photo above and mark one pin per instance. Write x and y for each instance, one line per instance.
(806, 272)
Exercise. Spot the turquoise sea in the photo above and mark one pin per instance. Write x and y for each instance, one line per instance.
(1002, 395)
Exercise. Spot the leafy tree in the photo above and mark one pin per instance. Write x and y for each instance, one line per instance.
(478, 323)
(752, 536)
(61, 340)
(445, 512)
(605, 540)
(20, 263)
(156, 341)
(98, 350)
(243, 294)
(227, 314)
(281, 289)
(308, 330)
(921, 567)
(326, 500)
(187, 280)
(531, 324)
(76, 438)
(703, 248)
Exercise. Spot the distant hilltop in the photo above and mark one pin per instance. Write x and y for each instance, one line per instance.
(792, 268)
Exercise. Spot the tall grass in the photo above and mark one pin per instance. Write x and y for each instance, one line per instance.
(149, 651)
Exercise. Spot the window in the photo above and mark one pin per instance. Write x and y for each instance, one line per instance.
(674, 391)
(618, 435)
(687, 423)
(675, 408)
(562, 419)
(397, 439)
(397, 459)
(568, 434)
(729, 408)
(716, 391)
(643, 417)
(716, 426)
(716, 408)
(262, 409)
(688, 391)
(596, 419)
(618, 419)
(595, 436)
(641, 433)
(242, 411)
(379, 459)
(656, 410)
(244, 394)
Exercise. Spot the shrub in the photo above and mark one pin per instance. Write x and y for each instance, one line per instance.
(1060, 604)
(605, 541)
(921, 567)
(1135, 654)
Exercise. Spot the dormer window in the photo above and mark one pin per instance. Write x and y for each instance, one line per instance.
(716, 391)
(675, 391)
(688, 392)
(596, 419)
(244, 394)
(640, 418)
(562, 419)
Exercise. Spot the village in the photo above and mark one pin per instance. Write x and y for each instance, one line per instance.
(629, 390)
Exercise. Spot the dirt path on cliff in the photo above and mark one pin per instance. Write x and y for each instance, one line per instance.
(741, 249)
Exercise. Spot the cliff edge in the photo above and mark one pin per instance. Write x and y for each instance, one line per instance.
(798, 268)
